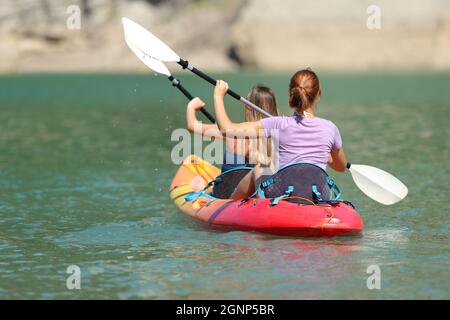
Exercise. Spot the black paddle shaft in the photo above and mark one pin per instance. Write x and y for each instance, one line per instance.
(185, 64)
(187, 94)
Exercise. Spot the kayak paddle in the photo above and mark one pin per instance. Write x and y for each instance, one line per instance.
(160, 67)
(153, 47)
(377, 184)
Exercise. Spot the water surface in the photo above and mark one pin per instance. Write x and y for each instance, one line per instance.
(85, 167)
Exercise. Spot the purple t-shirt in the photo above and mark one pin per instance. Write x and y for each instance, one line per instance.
(302, 139)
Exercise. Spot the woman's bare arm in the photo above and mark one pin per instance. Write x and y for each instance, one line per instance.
(337, 160)
(250, 129)
(195, 126)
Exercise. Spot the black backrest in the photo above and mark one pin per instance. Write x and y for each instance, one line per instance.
(301, 176)
(228, 181)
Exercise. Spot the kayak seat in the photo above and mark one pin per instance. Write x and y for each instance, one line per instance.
(225, 183)
(233, 160)
(301, 179)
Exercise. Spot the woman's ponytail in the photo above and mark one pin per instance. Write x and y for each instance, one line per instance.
(297, 98)
(304, 90)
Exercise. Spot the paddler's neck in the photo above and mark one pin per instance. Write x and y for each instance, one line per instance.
(309, 113)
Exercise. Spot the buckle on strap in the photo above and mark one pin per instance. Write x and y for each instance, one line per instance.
(286, 194)
(267, 183)
(260, 189)
(316, 194)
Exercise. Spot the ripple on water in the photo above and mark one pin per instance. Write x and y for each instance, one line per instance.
(88, 186)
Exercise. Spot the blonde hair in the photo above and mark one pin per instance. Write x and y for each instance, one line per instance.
(264, 98)
(261, 149)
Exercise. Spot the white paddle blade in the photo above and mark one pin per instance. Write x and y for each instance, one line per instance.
(378, 184)
(147, 42)
(153, 64)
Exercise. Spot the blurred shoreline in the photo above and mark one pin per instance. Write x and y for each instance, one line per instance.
(228, 35)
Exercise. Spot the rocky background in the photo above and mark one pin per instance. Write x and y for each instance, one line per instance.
(227, 35)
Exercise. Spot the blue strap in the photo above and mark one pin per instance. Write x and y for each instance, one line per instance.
(195, 195)
(192, 196)
(260, 190)
(267, 183)
(286, 194)
(335, 191)
(316, 193)
(260, 193)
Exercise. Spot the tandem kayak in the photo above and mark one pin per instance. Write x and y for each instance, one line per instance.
(258, 215)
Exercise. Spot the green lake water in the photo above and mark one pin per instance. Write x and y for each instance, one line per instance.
(85, 170)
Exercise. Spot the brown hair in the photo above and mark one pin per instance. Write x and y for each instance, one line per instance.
(304, 90)
(264, 98)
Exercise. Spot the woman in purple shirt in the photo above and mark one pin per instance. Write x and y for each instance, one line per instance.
(302, 137)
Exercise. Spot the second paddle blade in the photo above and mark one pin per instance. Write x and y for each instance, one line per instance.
(377, 184)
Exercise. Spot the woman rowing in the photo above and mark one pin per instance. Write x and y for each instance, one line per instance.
(302, 137)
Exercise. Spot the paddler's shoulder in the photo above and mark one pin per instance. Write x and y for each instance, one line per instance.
(324, 121)
(276, 122)
(326, 125)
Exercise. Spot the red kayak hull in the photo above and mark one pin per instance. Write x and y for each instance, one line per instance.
(258, 215)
